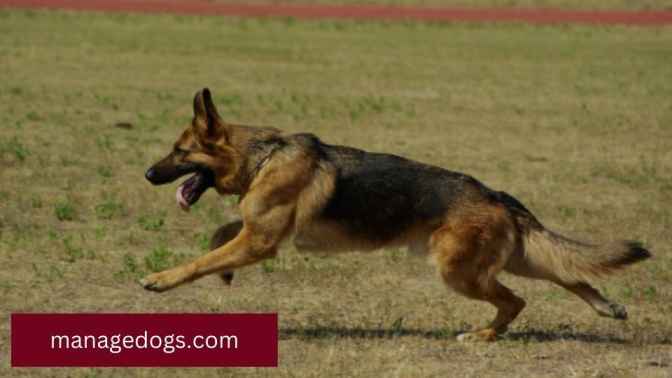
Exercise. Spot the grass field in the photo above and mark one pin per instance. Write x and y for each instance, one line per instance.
(558, 4)
(574, 121)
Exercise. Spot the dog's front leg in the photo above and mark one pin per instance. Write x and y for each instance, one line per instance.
(263, 229)
(242, 250)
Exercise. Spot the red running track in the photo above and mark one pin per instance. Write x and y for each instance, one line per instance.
(369, 12)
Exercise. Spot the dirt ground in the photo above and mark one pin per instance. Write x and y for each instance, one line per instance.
(656, 14)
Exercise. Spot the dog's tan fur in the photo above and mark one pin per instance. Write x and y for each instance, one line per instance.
(284, 192)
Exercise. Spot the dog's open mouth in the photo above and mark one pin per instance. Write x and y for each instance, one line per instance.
(191, 190)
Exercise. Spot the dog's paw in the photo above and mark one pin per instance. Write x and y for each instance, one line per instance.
(612, 310)
(618, 311)
(161, 281)
(227, 277)
(485, 335)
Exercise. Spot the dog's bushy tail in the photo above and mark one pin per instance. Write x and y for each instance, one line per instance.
(549, 255)
(574, 261)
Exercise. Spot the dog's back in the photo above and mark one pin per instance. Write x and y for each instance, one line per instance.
(383, 195)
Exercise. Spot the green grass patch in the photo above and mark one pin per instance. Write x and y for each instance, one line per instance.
(109, 208)
(64, 210)
(152, 222)
(130, 268)
(14, 149)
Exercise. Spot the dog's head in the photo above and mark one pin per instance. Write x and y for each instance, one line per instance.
(204, 151)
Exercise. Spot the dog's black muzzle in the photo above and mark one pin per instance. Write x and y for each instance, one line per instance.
(166, 171)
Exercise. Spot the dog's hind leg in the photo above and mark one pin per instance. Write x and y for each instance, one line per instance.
(469, 253)
(223, 235)
(519, 266)
(599, 303)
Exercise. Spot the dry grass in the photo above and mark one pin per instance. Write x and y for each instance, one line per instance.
(574, 121)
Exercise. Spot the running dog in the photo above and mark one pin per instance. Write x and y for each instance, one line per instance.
(336, 198)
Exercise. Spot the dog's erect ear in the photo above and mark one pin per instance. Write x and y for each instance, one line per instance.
(207, 123)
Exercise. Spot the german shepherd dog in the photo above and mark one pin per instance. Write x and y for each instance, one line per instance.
(336, 198)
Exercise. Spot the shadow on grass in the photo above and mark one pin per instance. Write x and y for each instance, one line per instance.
(530, 335)
(323, 332)
(535, 335)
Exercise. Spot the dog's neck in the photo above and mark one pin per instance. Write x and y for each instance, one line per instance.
(253, 150)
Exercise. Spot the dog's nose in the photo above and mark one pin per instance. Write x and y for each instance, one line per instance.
(150, 175)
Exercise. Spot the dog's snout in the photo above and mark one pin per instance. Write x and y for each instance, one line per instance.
(150, 175)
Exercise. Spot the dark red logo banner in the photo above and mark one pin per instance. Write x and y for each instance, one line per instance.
(144, 340)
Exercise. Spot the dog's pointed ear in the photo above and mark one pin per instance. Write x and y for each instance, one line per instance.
(207, 122)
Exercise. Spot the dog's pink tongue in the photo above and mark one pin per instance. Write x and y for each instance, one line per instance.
(180, 199)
